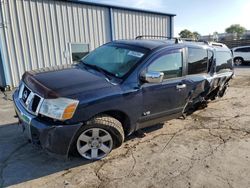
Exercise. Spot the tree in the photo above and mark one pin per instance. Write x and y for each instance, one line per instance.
(196, 35)
(236, 29)
(186, 34)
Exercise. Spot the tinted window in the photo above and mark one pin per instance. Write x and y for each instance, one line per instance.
(239, 50)
(243, 50)
(223, 61)
(170, 65)
(197, 61)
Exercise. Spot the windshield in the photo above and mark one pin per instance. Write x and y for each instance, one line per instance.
(115, 60)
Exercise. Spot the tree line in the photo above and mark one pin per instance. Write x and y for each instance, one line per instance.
(236, 29)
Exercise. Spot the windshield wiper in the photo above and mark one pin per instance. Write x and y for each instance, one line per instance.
(99, 69)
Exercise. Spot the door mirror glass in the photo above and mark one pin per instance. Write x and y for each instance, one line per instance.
(152, 77)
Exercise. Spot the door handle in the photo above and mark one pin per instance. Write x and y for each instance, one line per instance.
(181, 86)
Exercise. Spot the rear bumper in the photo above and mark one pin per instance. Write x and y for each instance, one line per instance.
(55, 139)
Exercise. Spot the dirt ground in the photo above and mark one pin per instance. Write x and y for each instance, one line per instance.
(210, 148)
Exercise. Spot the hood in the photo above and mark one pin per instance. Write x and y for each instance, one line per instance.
(64, 81)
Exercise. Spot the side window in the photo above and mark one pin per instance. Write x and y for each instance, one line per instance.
(223, 61)
(197, 60)
(242, 50)
(170, 65)
(248, 49)
(239, 50)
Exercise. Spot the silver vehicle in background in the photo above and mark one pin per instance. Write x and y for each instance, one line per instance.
(241, 55)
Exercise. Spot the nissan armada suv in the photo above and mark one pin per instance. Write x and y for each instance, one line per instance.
(117, 89)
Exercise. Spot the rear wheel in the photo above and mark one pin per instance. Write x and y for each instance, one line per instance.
(98, 137)
(238, 61)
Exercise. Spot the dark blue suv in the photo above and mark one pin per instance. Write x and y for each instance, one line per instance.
(117, 89)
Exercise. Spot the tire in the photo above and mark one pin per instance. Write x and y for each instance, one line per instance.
(238, 61)
(98, 137)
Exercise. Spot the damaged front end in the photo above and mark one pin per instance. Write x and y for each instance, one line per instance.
(52, 137)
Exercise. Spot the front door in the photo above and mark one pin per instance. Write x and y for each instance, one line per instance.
(169, 97)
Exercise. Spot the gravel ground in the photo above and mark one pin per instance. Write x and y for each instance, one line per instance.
(210, 148)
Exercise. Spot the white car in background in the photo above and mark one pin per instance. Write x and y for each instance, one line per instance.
(241, 55)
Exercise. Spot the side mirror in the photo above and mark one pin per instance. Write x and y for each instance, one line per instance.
(152, 77)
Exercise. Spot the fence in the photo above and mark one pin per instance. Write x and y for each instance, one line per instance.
(235, 43)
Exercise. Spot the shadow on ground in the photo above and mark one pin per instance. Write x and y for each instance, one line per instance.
(35, 162)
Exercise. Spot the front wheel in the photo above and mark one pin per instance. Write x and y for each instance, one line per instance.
(98, 137)
(238, 61)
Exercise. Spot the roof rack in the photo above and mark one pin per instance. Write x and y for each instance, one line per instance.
(177, 40)
(181, 40)
(151, 36)
(212, 43)
(189, 39)
(217, 44)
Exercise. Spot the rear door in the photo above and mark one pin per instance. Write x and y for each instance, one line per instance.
(197, 70)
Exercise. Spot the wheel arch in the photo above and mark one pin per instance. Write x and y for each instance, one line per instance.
(117, 114)
(238, 57)
(120, 116)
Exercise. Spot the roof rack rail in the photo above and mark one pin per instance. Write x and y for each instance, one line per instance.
(189, 39)
(177, 40)
(217, 44)
(181, 40)
(151, 36)
(212, 43)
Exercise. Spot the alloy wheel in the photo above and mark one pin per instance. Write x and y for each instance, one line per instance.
(238, 62)
(94, 143)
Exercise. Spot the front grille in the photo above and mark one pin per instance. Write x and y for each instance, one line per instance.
(30, 100)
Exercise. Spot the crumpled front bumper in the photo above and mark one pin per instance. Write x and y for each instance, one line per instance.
(56, 139)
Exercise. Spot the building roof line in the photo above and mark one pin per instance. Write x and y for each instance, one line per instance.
(120, 7)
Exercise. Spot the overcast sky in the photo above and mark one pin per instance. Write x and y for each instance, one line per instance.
(203, 16)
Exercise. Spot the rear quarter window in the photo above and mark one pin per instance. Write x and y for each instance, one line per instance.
(224, 62)
(197, 61)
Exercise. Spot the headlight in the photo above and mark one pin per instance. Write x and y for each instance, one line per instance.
(60, 108)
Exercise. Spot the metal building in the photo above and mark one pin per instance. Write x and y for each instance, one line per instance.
(42, 33)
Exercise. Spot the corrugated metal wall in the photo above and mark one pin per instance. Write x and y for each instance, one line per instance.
(129, 24)
(2, 81)
(36, 33)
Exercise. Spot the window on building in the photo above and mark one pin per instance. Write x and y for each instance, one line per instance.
(197, 61)
(223, 61)
(79, 50)
(170, 65)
